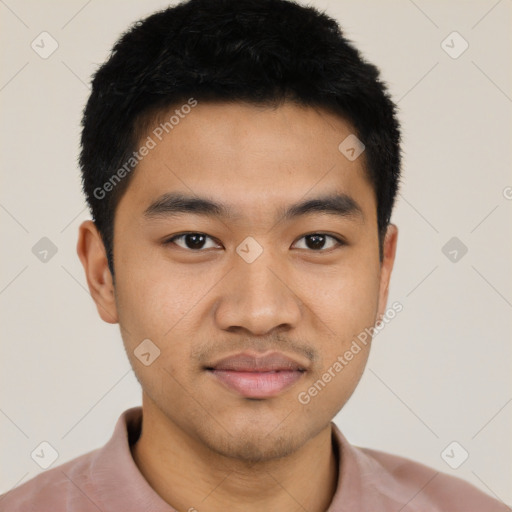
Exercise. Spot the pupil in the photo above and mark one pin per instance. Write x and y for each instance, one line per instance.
(195, 240)
(317, 241)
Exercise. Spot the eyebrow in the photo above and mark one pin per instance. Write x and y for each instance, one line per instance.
(175, 204)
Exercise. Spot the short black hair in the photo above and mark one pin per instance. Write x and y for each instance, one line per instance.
(263, 52)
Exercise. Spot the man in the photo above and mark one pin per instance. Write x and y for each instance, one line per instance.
(241, 162)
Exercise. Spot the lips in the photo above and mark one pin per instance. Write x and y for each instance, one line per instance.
(255, 375)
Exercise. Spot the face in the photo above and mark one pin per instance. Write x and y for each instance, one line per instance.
(251, 302)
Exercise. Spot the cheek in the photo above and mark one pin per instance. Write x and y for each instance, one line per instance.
(152, 306)
(152, 294)
(344, 297)
(158, 302)
(344, 303)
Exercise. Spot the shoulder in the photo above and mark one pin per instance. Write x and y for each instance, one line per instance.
(85, 482)
(426, 486)
(54, 489)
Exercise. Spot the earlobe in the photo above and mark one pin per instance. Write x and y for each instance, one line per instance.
(91, 251)
(388, 260)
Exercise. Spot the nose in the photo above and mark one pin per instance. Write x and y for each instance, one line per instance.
(258, 298)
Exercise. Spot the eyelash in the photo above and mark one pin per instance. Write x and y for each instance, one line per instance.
(169, 241)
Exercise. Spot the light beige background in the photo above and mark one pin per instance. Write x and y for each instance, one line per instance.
(440, 372)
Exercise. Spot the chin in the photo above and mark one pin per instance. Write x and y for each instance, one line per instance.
(253, 447)
(253, 439)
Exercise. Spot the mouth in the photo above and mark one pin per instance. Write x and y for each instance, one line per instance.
(257, 376)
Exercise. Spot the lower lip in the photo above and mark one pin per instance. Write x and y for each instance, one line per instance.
(258, 384)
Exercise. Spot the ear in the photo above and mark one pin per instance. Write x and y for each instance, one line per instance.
(92, 254)
(388, 259)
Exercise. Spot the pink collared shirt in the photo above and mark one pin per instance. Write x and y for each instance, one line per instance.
(108, 480)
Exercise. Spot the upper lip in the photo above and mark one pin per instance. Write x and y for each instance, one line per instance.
(254, 362)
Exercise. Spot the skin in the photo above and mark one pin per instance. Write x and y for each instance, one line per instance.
(202, 445)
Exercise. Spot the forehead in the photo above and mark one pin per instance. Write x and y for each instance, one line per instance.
(251, 157)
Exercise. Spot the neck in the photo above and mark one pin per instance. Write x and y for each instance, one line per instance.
(190, 477)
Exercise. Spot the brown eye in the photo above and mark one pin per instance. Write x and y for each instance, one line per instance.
(192, 241)
(320, 242)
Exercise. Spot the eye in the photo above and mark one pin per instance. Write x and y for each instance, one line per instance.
(321, 242)
(193, 241)
(197, 242)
